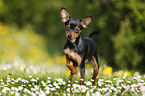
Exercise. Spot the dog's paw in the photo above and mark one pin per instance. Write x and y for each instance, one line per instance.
(74, 71)
(81, 82)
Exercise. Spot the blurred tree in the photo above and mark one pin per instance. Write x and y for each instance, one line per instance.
(42, 15)
(129, 47)
(129, 43)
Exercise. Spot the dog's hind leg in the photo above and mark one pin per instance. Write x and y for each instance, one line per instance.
(94, 62)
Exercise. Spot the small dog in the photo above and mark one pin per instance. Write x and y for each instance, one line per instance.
(79, 50)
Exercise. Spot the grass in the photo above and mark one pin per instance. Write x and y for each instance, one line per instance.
(41, 80)
(27, 69)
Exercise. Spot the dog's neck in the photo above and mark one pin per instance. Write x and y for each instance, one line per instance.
(75, 43)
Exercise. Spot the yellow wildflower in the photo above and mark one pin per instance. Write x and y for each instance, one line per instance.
(127, 73)
(42, 82)
(108, 71)
(91, 90)
(68, 72)
(118, 74)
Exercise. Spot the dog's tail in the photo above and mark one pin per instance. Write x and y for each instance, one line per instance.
(94, 32)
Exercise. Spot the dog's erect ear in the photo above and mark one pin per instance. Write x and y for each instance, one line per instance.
(86, 21)
(64, 14)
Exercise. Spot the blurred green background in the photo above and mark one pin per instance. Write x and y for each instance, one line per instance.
(33, 30)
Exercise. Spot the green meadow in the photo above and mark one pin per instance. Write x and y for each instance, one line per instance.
(29, 70)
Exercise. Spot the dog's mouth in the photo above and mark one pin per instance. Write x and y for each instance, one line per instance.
(71, 39)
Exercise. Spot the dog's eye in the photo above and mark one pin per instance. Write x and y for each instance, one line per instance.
(77, 30)
(67, 27)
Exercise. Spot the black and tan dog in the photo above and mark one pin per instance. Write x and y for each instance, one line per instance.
(79, 50)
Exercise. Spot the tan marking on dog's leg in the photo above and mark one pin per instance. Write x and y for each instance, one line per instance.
(95, 67)
(73, 70)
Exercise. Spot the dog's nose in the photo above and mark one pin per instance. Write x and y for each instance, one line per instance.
(69, 36)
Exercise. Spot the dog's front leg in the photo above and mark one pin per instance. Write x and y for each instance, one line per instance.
(82, 72)
(73, 70)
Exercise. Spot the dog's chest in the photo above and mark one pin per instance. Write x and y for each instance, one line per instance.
(73, 55)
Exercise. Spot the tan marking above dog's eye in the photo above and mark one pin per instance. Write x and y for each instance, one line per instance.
(76, 27)
(68, 26)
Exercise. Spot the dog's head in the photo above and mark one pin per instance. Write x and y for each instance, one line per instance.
(73, 26)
